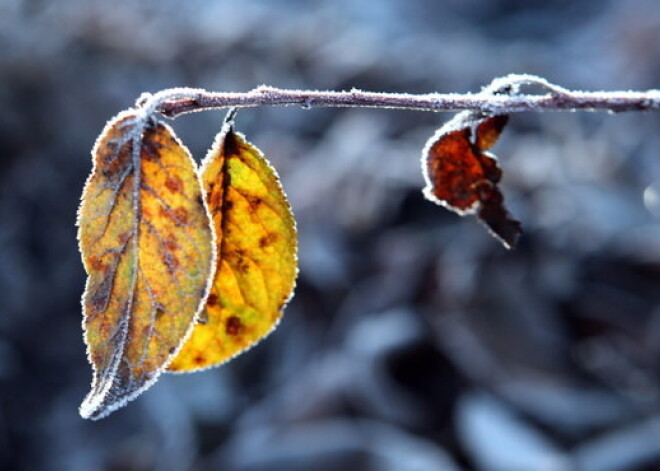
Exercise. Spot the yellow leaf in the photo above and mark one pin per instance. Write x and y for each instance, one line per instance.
(148, 249)
(256, 245)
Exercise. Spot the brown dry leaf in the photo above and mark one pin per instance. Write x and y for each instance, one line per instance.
(256, 245)
(147, 247)
(463, 177)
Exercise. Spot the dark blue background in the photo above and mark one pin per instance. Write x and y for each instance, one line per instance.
(414, 342)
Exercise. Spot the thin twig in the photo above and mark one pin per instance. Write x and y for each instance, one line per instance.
(501, 96)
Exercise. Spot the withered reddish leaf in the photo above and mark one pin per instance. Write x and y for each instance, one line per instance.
(147, 247)
(489, 130)
(463, 177)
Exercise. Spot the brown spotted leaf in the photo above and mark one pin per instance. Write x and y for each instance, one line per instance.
(256, 245)
(147, 247)
(463, 177)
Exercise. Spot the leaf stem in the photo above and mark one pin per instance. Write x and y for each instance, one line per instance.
(501, 96)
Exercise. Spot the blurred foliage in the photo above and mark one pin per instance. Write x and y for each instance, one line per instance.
(414, 341)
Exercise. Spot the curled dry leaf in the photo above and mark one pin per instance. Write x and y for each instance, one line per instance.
(147, 247)
(256, 245)
(463, 177)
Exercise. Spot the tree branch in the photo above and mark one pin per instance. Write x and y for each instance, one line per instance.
(503, 95)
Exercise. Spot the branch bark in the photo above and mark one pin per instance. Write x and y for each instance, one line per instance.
(503, 95)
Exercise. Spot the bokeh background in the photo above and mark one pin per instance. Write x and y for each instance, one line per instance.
(414, 341)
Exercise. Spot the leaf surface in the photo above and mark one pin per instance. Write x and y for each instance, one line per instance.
(147, 247)
(256, 245)
(463, 177)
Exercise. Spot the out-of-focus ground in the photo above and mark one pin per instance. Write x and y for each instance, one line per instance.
(414, 341)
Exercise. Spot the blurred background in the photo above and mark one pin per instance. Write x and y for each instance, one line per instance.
(414, 341)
